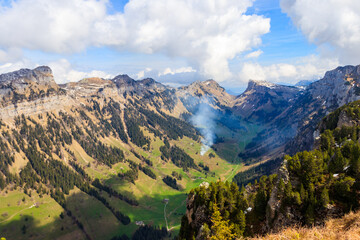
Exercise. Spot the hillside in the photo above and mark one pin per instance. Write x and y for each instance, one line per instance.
(95, 152)
(123, 153)
(309, 188)
(343, 228)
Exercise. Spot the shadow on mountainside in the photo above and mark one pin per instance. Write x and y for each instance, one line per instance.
(27, 228)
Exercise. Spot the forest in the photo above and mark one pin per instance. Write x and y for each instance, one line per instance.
(309, 186)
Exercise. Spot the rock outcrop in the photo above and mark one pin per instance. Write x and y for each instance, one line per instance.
(263, 101)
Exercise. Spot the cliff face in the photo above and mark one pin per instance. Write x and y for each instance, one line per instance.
(32, 92)
(38, 106)
(263, 101)
(208, 90)
(40, 75)
(338, 87)
(292, 114)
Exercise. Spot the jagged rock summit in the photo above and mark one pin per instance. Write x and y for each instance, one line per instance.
(41, 75)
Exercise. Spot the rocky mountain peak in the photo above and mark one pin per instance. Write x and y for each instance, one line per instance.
(123, 80)
(259, 83)
(147, 81)
(207, 86)
(40, 75)
(211, 82)
(341, 71)
(43, 70)
(270, 88)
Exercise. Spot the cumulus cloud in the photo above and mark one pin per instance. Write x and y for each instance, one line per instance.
(208, 33)
(174, 77)
(148, 72)
(10, 67)
(64, 72)
(53, 26)
(307, 68)
(10, 55)
(333, 25)
(176, 71)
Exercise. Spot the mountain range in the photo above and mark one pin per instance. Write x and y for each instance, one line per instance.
(130, 150)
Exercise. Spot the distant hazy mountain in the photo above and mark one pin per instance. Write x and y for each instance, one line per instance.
(304, 83)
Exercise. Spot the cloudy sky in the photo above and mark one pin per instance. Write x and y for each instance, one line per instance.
(180, 41)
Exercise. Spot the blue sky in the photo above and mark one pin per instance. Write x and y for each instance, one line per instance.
(179, 41)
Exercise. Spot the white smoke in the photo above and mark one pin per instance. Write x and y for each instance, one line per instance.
(204, 120)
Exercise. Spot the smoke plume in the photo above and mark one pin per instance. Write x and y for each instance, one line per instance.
(204, 120)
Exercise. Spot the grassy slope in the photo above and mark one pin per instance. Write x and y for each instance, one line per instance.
(347, 227)
(41, 221)
(149, 192)
(98, 221)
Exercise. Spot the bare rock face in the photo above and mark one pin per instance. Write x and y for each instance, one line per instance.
(41, 75)
(126, 84)
(275, 218)
(90, 86)
(263, 101)
(38, 106)
(30, 92)
(209, 91)
(338, 87)
(290, 114)
(196, 216)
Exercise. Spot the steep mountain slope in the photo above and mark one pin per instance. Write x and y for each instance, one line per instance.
(263, 101)
(292, 128)
(309, 188)
(106, 155)
(338, 87)
(120, 147)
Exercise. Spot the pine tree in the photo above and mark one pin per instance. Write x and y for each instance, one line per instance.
(337, 164)
(288, 192)
(325, 197)
(281, 187)
(220, 229)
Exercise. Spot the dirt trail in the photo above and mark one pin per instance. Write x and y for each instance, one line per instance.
(167, 226)
(18, 213)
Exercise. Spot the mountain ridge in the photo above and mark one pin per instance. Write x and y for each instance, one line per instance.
(128, 144)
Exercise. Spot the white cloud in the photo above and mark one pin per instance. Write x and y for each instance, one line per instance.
(53, 26)
(254, 54)
(12, 54)
(63, 72)
(146, 72)
(174, 77)
(307, 68)
(208, 33)
(333, 25)
(10, 67)
(176, 71)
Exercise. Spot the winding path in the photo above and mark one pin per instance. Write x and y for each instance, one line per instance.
(18, 213)
(167, 227)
